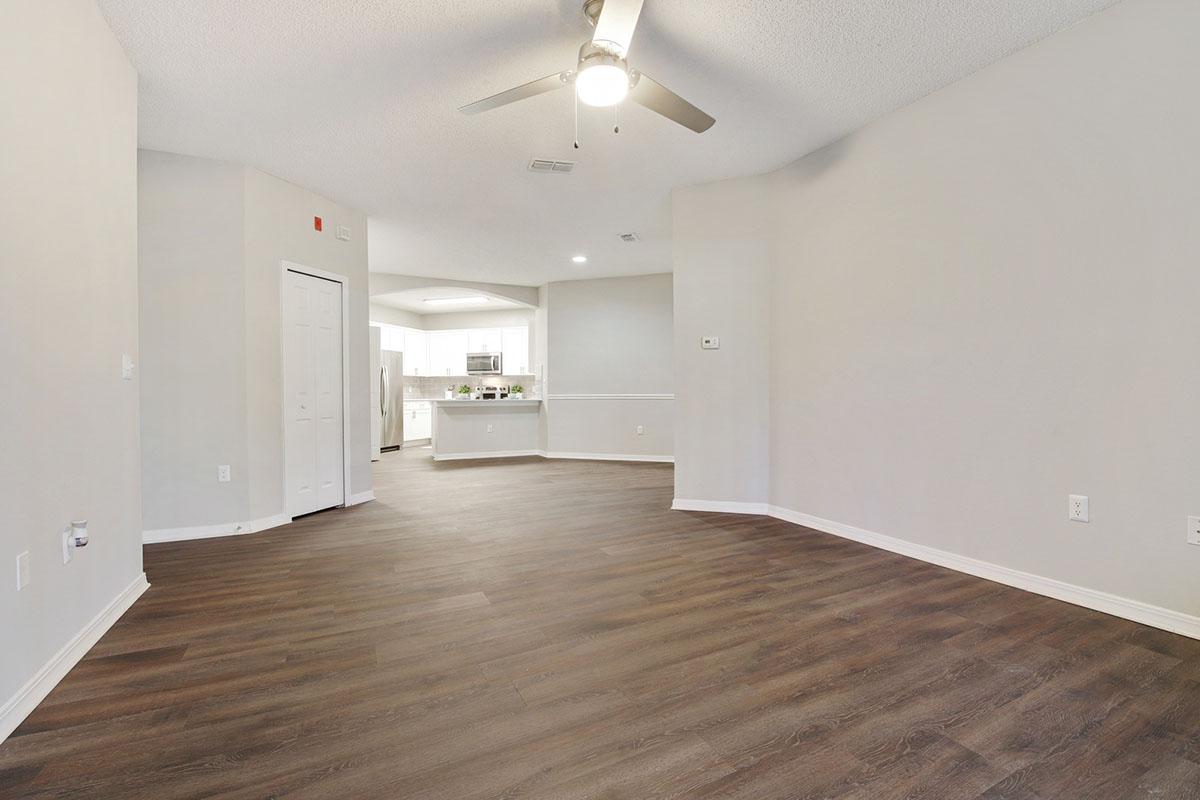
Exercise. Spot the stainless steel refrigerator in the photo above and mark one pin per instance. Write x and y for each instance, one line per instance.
(391, 399)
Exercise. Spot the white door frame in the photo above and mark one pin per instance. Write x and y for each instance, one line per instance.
(344, 282)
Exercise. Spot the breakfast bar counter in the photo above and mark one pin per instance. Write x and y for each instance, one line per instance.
(505, 428)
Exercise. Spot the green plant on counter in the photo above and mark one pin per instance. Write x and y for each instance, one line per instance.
(518, 389)
(464, 389)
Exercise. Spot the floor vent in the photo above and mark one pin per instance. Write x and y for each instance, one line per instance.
(629, 238)
(547, 165)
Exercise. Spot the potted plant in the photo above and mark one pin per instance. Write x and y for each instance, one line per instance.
(517, 392)
(464, 392)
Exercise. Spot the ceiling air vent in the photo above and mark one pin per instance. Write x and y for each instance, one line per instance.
(549, 165)
(628, 238)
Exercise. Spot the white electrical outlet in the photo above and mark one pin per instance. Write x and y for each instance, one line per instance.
(489, 428)
(641, 430)
(22, 570)
(126, 367)
(710, 342)
(1077, 508)
(223, 474)
(1193, 530)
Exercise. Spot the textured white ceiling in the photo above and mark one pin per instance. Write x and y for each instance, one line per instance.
(357, 99)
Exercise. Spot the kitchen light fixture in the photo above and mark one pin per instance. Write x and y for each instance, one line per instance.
(579, 259)
(457, 301)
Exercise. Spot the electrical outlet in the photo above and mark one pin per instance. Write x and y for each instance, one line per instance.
(641, 430)
(22, 570)
(710, 342)
(1193, 530)
(489, 428)
(1077, 509)
(223, 474)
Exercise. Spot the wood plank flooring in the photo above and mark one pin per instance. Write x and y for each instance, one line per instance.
(534, 629)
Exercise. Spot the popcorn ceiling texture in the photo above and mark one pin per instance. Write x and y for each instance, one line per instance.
(357, 100)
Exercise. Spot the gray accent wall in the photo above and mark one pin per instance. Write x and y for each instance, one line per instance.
(608, 366)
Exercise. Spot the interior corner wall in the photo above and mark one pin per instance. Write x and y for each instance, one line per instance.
(213, 239)
(191, 221)
(722, 254)
(984, 302)
(68, 289)
(609, 368)
(279, 228)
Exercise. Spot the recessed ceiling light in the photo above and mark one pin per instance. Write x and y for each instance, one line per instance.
(579, 259)
(457, 301)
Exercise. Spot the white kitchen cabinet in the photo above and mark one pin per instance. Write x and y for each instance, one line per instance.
(447, 352)
(416, 353)
(418, 420)
(515, 350)
(484, 340)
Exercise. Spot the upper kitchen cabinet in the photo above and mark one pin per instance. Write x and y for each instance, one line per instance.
(447, 352)
(416, 357)
(514, 348)
(484, 340)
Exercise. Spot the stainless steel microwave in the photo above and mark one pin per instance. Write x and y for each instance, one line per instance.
(484, 364)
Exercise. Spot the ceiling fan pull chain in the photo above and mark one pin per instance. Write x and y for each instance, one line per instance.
(576, 119)
(617, 118)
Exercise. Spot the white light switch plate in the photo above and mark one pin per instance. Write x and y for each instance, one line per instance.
(126, 367)
(1077, 508)
(710, 342)
(1193, 530)
(343, 233)
(68, 545)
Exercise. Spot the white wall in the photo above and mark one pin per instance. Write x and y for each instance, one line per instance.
(722, 276)
(984, 302)
(68, 289)
(279, 227)
(193, 321)
(466, 320)
(609, 367)
(212, 239)
(394, 316)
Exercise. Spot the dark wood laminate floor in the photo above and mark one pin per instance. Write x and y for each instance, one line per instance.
(536, 629)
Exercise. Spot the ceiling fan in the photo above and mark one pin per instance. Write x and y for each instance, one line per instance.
(602, 77)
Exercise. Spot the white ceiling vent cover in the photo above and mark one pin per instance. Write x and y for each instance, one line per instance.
(628, 238)
(549, 165)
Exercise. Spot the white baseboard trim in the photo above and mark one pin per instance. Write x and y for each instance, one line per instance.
(22, 704)
(213, 531)
(610, 457)
(1134, 610)
(722, 506)
(360, 498)
(494, 454)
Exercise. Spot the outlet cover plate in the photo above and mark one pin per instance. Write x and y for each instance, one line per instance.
(1194, 530)
(1077, 508)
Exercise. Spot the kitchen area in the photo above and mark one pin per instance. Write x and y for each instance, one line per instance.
(460, 392)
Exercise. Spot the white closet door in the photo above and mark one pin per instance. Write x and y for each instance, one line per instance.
(312, 315)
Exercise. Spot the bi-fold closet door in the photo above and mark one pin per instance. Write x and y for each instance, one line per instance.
(313, 393)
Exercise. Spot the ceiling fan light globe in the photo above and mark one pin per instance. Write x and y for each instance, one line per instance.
(602, 85)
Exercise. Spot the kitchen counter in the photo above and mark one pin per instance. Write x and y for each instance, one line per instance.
(527, 401)
(465, 429)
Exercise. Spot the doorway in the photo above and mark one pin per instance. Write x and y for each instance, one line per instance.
(314, 387)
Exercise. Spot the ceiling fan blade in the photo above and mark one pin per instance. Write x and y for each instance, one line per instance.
(653, 95)
(614, 29)
(540, 86)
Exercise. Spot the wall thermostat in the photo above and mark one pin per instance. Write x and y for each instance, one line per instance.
(710, 342)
